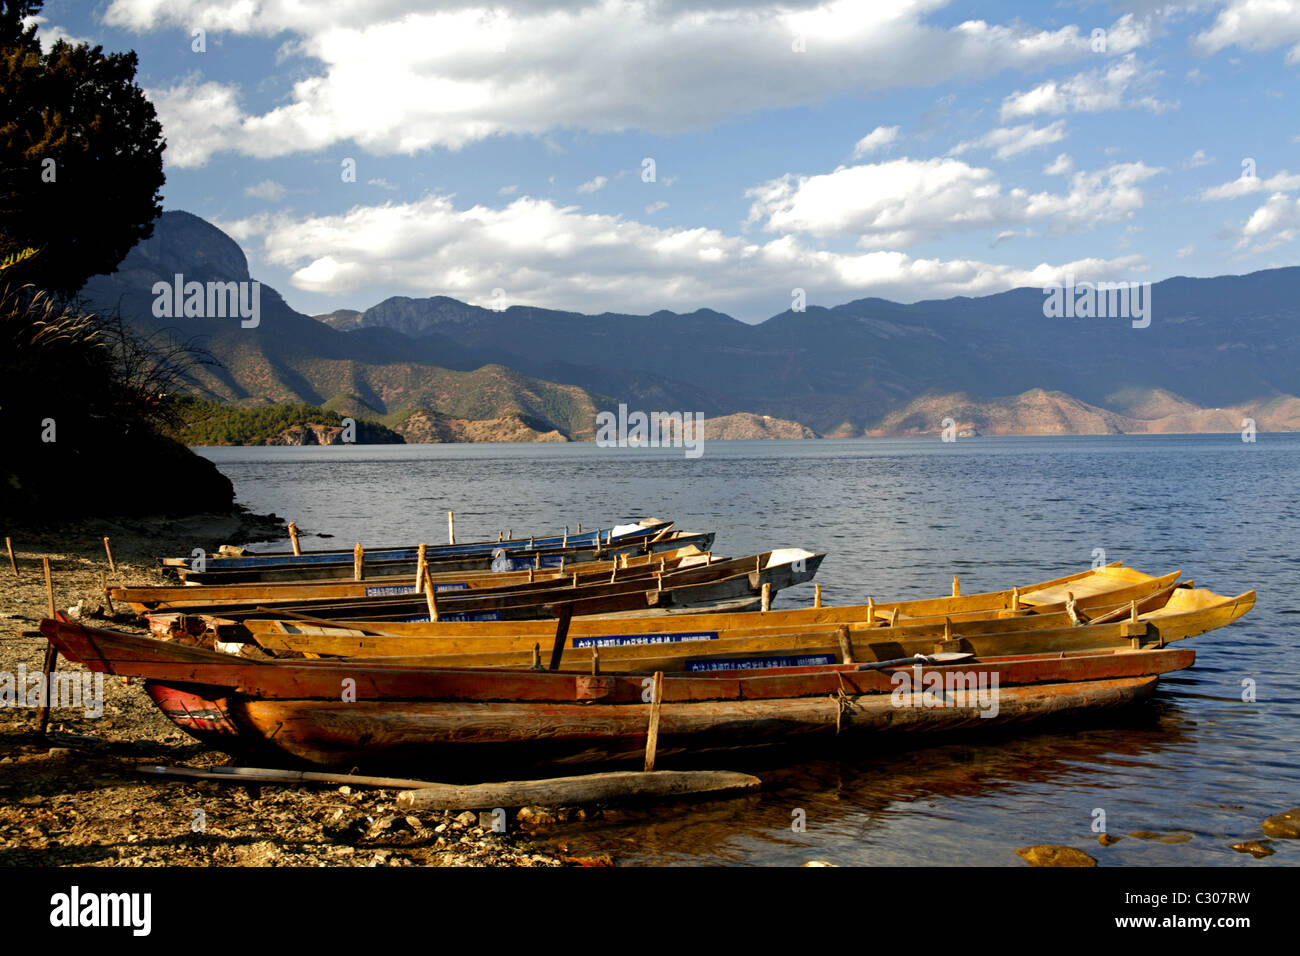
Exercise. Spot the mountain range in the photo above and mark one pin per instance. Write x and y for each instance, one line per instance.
(1217, 350)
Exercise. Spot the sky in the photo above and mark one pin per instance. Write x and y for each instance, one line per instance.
(684, 154)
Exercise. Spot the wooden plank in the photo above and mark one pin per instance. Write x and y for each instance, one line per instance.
(9, 546)
(570, 791)
(652, 734)
(561, 635)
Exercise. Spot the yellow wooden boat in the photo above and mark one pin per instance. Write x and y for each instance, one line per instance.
(1098, 590)
(1173, 614)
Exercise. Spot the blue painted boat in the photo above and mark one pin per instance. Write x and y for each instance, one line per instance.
(619, 534)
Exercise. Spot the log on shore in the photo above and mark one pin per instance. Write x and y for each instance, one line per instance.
(589, 788)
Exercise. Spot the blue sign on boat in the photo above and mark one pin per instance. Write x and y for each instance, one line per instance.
(624, 640)
(758, 663)
(456, 586)
(468, 616)
(389, 589)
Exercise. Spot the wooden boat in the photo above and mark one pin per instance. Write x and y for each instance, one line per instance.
(1170, 615)
(352, 713)
(1092, 589)
(645, 528)
(176, 597)
(700, 586)
(498, 561)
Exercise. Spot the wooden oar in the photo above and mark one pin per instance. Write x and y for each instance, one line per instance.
(944, 657)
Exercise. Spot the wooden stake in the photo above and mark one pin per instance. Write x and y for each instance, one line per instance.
(595, 660)
(51, 660)
(817, 595)
(498, 537)
(871, 610)
(956, 586)
(579, 527)
(846, 645)
(421, 568)
(358, 562)
(652, 735)
(431, 598)
(537, 657)
(9, 545)
(1015, 599)
(293, 538)
(767, 595)
(561, 634)
(108, 597)
(451, 527)
(109, 551)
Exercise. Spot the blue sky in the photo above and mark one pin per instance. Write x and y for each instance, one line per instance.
(850, 149)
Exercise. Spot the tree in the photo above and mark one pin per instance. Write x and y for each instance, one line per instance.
(81, 150)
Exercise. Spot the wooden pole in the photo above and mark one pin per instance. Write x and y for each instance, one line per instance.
(9, 546)
(956, 586)
(358, 562)
(431, 598)
(293, 538)
(817, 595)
(595, 660)
(767, 596)
(51, 660)
(109, 551)
(846, 645)
(108, 597)
(451, 527)
(421, 568)
(561, 634)
(871, 610)
(652, 735)
(567, 791)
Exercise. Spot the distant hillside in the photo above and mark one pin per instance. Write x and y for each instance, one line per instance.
(1040, 412)
(216, 423)
(439, 369)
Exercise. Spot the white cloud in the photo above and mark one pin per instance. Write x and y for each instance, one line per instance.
(1254, 25)
(1245, 185)
(1272, 224)
(878, 138)
(396, 77)
(654, 207)
(382, 184)
(1063, 165)
(560, 257)
(592, 185)
(1186, 251)
(904, 201)
(1198, 159)
(48, 34)
(267, 189)
(1008, 141)
(508, 190)
(1095, 91)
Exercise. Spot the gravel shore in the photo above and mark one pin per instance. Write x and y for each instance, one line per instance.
(74, 797)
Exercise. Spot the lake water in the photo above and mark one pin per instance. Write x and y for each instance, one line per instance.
(899, 518)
